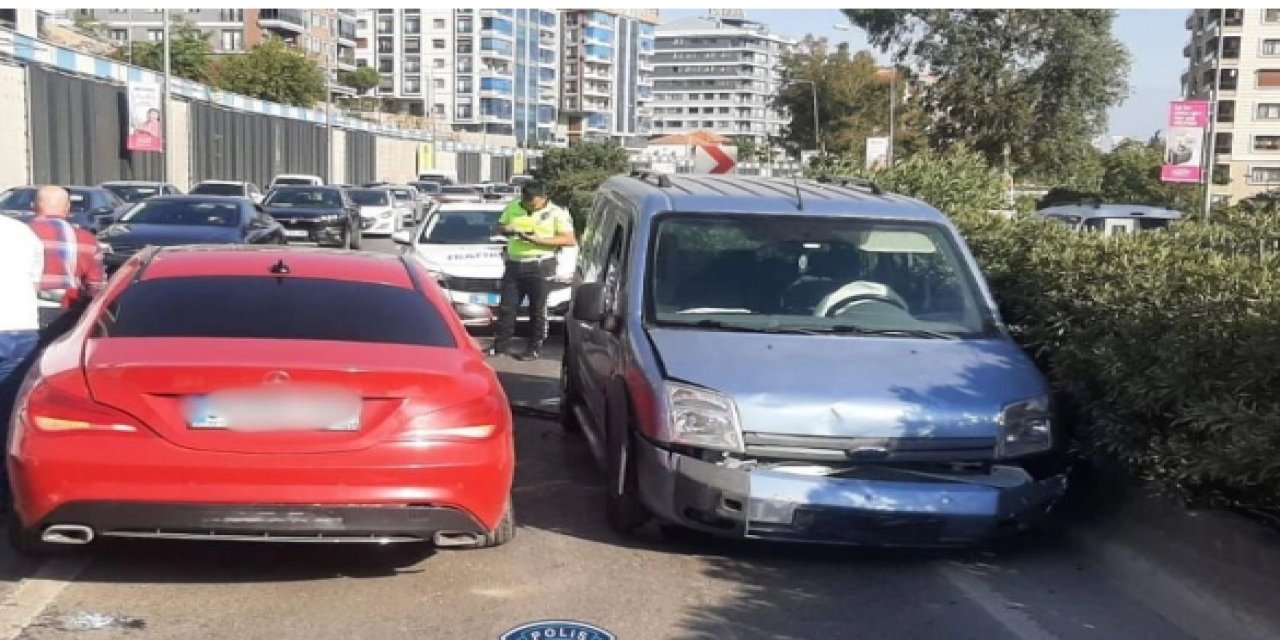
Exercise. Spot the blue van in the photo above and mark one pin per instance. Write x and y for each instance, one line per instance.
(797, 360)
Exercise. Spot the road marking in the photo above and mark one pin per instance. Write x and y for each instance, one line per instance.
(1009, 614)
(34, 594)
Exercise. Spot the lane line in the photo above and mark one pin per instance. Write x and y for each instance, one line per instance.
(33, 595)
(995, 605)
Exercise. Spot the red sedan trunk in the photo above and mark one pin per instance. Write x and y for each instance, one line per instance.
(207, 395)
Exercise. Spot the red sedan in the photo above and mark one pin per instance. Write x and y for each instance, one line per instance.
(275, 394)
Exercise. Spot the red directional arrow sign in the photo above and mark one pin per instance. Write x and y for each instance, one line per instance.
(724, 163)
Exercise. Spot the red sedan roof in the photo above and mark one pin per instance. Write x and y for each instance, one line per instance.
(222, 260)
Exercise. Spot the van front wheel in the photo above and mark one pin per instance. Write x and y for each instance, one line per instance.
(624, 509)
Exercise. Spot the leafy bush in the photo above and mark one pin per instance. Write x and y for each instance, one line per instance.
(1164, 343)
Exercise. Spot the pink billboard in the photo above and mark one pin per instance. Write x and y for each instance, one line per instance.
(1184, 142)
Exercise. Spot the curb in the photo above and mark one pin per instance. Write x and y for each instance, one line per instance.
(1213, 574)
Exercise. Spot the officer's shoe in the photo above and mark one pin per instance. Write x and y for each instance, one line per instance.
(530, 354)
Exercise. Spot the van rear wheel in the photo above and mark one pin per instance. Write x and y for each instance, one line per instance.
(568, 398)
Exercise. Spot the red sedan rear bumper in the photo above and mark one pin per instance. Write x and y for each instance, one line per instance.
(124, 481)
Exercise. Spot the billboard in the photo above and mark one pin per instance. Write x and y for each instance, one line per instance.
(877, 153)
(146, 132)
(1184, 144)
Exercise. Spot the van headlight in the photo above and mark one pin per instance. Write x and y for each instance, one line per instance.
(703, 418)
(1026, 427)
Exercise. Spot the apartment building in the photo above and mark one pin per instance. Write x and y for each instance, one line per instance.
(321, 33)
(488, 71)
(718, 73)
(608, 74)
(1246, 145)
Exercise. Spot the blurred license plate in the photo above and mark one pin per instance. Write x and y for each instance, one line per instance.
(275, 408)
(295, 233)
(490, 299)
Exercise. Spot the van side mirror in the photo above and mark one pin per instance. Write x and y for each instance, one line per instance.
(588, 302)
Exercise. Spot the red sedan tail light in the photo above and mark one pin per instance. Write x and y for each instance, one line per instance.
(57, 405)
(471, 421)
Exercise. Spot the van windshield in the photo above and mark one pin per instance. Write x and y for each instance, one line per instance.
(812, 275)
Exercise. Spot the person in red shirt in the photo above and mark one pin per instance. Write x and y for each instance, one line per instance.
(73, 271)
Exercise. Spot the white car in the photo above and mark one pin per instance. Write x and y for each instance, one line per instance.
(457, 245)
(378, 210)
(234, 188)
(296, 179)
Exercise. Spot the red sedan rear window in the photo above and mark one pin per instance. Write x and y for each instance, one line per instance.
(274, 308)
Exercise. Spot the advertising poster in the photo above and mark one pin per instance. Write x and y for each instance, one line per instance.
(877, 153)
(1184, 142)
(146, 132)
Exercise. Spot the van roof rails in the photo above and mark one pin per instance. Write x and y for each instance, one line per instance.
(845, 181)
(663, 180)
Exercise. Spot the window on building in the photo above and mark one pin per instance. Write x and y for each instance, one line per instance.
(119, 35)
(232, 40)
(155, 35)
(438, 24)
(1264, 175)
(438, 43)
(318, 21)
(463, 112)
(1268, 111)
(438, 110)
(386, 44)
(412, 86)
(438, 63)
(412, 24)
(362, 24)
(464, 25)
(412, 45)
(412, 65)
(464, 85)
(1222, 142)
(1266, 143)
(1271, 15)
(1269, 78)
(386, 65)
(386, 25)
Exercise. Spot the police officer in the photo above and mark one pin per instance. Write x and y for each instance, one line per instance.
(537, 229)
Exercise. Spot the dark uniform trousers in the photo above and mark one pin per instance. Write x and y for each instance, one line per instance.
(520, 279)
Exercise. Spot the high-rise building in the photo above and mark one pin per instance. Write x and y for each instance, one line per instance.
(320, 33)
(718, 73)
(490, 71)
(1246, 144)
(608, 74)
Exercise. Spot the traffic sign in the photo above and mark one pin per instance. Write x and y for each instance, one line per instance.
(709, 158)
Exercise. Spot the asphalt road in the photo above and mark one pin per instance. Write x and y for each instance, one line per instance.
(566, 563)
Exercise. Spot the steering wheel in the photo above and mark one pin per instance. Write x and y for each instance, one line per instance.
(841, 305)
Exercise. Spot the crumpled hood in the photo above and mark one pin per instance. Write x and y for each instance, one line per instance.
(854, 386)
(166, 234)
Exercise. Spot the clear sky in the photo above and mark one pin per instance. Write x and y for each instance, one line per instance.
(1155, 38)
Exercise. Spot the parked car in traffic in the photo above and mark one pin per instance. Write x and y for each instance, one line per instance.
(296, 179)
(457, 246)
(378, 209)
(324, 215)
(406, 199)
(236, 188)
(428, 193)
(800, 361)
(1111, 219)
(92, 208)
(132, 191)
(166, 221)
(445, 178)
(213, 393)
(456, 194)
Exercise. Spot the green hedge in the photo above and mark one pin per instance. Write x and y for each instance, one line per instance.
(1165, 345)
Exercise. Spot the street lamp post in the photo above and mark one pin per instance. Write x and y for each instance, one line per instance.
(328, 110)
(817, 132)
(164, 96)
(1211, 149)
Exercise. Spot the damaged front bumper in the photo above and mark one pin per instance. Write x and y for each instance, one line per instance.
(850, 504)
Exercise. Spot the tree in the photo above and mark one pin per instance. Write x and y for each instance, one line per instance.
(362, 80)
(1019, 84)
(748, 149)
(574, 173)
(955, 180)
(273, 71)
(1131, 174)
(87, 23)
(189, 52)
(853, 99)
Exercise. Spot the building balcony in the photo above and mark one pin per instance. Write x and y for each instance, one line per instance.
(290, 20)
(597, 91)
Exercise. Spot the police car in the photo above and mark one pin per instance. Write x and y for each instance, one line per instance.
(458, 246)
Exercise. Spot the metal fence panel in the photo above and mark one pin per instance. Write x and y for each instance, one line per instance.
(362, 157)
(501, 168)
(469, 168)
(235, 145)
(77, 132)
